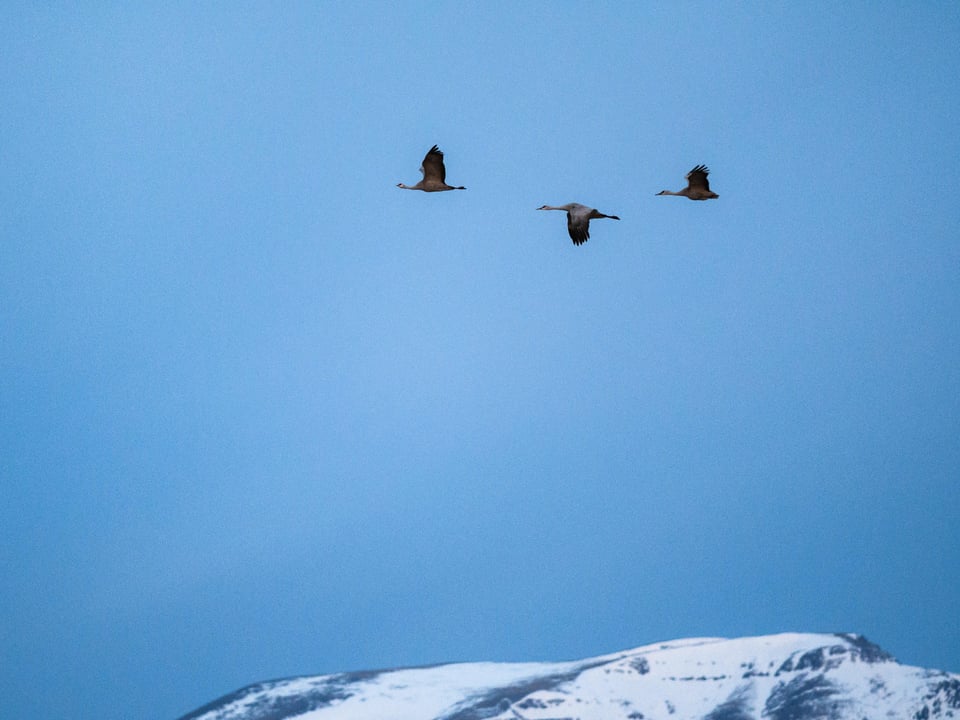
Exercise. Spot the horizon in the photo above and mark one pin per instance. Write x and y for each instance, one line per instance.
(666, 644)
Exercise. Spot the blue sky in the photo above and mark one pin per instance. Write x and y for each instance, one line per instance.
(264, 414)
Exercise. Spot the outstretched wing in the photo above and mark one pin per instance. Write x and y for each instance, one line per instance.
(697, 178)
(579, 227)
(433, 168)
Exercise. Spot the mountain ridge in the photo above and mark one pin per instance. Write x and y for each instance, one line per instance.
(788, 676)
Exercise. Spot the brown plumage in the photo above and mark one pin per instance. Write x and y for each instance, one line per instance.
(434, 174)
(578, 220)
(698, 188)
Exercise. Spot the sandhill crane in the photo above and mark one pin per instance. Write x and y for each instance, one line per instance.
(434, 174)
(578, 220)
(697, 186)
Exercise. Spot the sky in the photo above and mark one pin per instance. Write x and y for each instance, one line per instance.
(264, 414)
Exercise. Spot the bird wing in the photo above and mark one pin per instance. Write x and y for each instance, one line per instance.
(433, 168)
(697, 178)
(578, 225)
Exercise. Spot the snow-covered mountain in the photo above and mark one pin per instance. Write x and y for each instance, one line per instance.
(776, 677)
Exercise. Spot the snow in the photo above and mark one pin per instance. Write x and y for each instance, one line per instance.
(778, 675)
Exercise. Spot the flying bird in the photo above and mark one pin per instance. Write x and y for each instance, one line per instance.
(434, 174)
(698, 188)
(578, 220)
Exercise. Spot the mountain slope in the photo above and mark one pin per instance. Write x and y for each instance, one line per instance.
(776, 677)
